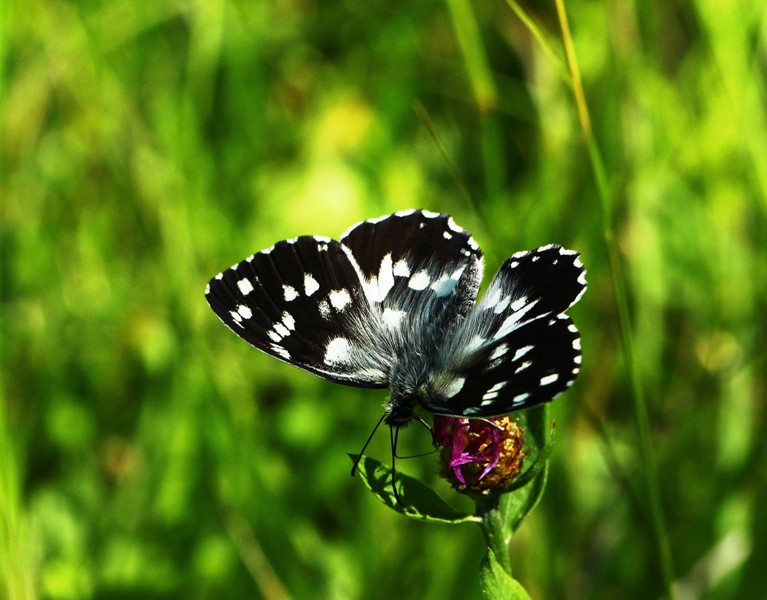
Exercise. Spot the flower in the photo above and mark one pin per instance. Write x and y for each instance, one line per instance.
(479, 456)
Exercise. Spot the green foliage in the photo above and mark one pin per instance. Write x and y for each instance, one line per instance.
(497, 584)
(526, 490)
(418, 501)
(147, 452)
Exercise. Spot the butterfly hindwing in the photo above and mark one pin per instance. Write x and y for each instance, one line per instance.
(516, 348)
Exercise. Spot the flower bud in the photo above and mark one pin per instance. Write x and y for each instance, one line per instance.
(479, 456)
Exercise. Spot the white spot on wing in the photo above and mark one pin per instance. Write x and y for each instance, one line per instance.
(452, 225)
(289, 321)
(401, 268)
(419, 281)
(310, 284)
(549, 379)
(520, 398)
(337, 351)
(277, 349)
(282, 328)
(518, 303)
(324, 309)
(289, 292)
(491, 394)
(492, 298)
(392, 318)
(385, 279)
(454, 386)
(499, 351)
(244, 311)
(444, 287)
(474, 344)
(523, 366)
(501, 306)
(245, 286)
(510, 324)
(521, 352)
(339, 299)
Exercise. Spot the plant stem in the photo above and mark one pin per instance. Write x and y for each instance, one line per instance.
(496, 529)
(650, 469)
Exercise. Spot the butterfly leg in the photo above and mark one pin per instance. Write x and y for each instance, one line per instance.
(367, 443)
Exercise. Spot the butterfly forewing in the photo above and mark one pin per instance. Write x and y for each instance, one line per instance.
(516, 348)
(300, 301)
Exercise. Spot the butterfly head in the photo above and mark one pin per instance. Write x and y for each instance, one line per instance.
(401, 406)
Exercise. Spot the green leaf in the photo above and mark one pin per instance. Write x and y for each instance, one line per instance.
(518, 504)
(528, 488)
(497, 584)
(419, 501)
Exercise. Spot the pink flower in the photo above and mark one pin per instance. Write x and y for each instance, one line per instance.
(479, 455)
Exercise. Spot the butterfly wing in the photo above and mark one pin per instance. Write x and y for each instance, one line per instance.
(299, 301)
(516, 348)
(416, 265)
(350, 311)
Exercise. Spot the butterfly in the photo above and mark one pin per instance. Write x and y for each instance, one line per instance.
(393, 304)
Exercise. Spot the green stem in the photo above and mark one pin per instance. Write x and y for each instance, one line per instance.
(650, 468)
(496, 529)
(470, 41)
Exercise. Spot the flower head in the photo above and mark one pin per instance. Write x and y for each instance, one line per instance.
(479, 456)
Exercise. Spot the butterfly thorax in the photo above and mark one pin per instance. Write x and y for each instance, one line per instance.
(407, 381)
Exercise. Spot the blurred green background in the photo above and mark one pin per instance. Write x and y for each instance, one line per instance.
(146, 452)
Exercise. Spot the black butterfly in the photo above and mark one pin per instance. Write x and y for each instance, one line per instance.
(393, 304)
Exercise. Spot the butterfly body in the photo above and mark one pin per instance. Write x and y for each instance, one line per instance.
(393, 304)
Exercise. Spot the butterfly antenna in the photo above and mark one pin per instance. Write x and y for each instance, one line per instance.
(367, 442)
(394, 438)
